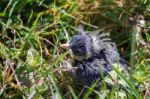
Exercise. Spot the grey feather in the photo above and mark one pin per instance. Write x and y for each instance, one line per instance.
(94, 54)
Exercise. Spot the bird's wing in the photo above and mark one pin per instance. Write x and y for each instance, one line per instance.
(102, 65)
(102, 43)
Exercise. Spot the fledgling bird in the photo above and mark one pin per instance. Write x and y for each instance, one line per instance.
(94, 54)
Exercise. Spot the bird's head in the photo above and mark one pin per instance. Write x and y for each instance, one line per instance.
(80, 47)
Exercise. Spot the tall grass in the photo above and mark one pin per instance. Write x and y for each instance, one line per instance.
(32, 30)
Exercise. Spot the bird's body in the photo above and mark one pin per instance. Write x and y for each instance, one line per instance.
(94, 56)
(90, 70)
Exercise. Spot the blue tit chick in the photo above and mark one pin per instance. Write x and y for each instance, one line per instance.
(94, 55)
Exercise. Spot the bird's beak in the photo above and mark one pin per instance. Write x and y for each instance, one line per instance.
(65, 46)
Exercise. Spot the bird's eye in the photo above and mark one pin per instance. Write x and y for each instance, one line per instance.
(82, 47)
